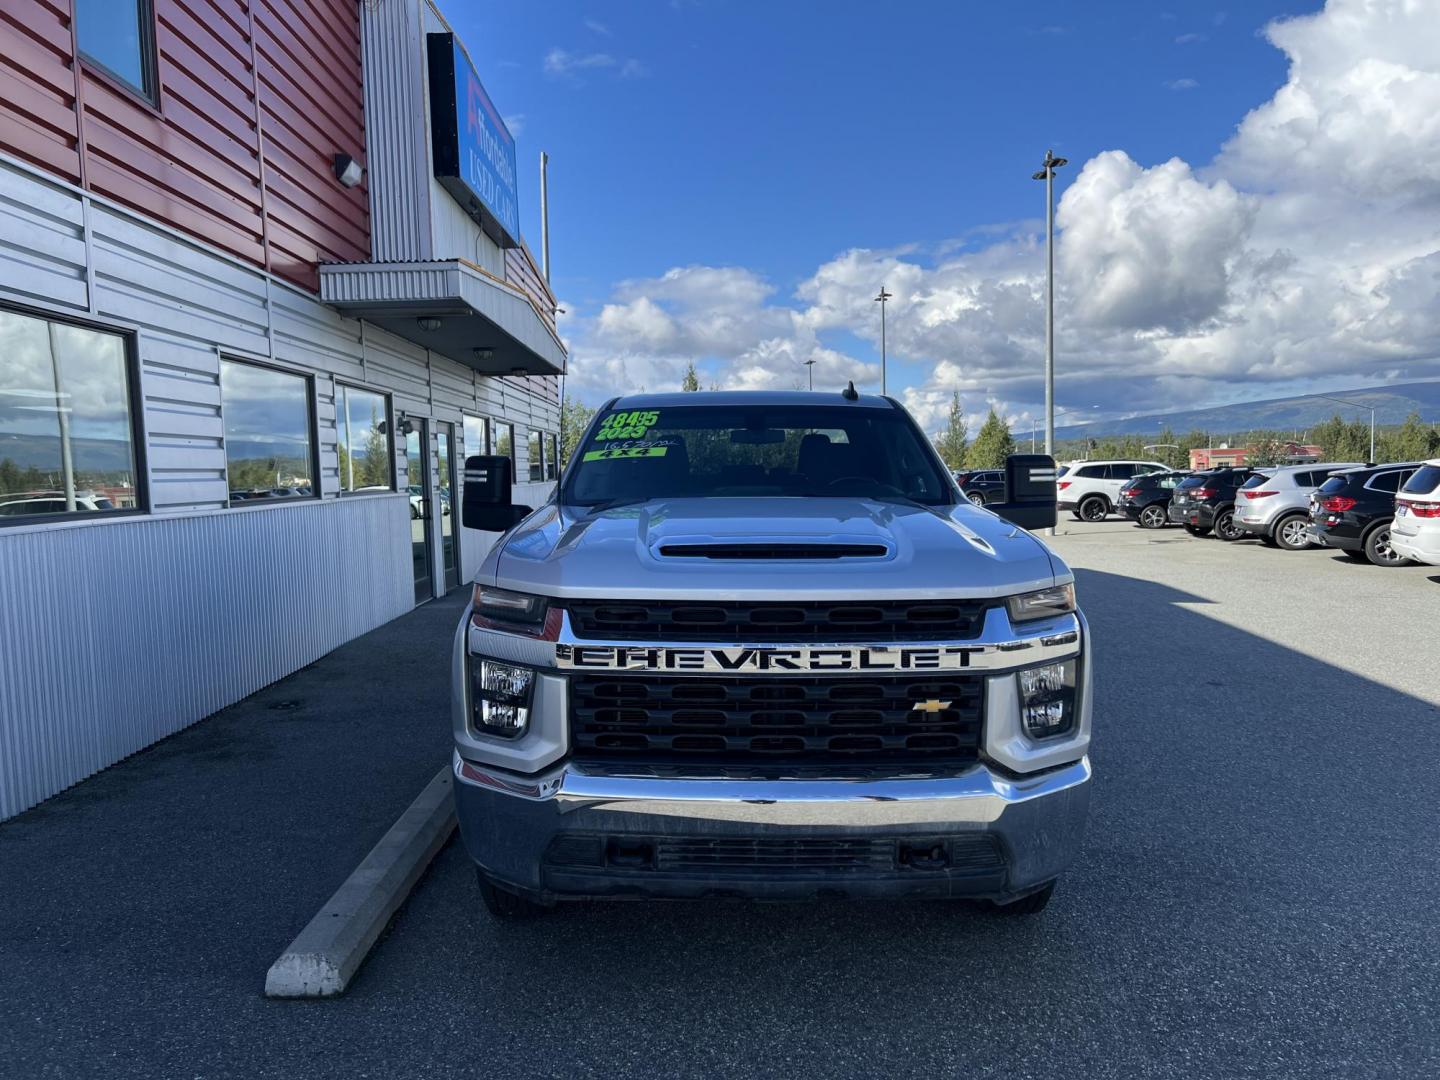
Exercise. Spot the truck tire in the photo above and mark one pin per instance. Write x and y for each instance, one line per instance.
(503, 904)
(1289, 533)
(1378, 549)
(1092, 508)
(1032, 904)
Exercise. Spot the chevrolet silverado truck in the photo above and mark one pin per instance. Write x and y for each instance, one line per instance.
(759, 645)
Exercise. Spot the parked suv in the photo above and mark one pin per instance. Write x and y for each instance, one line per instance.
(982, 485)
(1353, 511)
(1415, 532)
(1090, 489)
(1146, 499)
(1206, 502)
(1276, 508)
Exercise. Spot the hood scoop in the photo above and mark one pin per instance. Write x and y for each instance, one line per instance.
(773, 551)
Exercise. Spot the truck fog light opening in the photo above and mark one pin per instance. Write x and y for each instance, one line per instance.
(500, 697)
(1047, 699)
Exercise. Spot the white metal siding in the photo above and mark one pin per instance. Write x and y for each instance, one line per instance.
(118, 633)
(397, 146)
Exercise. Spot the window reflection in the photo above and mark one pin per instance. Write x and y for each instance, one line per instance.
(552, 457)
(505, 440)
(268, 444)
(66, 435)
(362, 421)
(117, 34)
(477, 436)
(537, 463)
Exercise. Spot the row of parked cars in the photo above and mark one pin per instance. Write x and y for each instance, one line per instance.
(1386, 514)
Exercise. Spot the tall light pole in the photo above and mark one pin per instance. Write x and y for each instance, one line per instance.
(1047, 173)
(882, 300)
(811, 365)
(1357, 405)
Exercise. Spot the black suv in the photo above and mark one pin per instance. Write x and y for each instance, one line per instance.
(982, 485)
(1206, 501)
(1353, 509)
(1146, 499)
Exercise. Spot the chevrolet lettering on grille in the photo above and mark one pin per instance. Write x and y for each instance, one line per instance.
(808, 659)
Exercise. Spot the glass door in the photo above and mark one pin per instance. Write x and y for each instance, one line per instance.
(417, 477)
(449, 503)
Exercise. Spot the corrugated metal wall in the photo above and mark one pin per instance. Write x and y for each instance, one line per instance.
(116, 633)
(119, 633)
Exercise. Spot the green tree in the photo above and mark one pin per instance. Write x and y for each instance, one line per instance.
(1340, 440)
(1266, 452)
(992, 445)
(1168, 450)
(1413, 440)
(575, 417)
(374, 469)
(953, 439)
(691, 382)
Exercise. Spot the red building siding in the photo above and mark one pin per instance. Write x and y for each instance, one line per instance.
(255, 98)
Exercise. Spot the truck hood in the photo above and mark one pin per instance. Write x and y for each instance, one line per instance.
(629, 552)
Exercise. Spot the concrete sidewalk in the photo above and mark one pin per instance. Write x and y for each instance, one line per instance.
(156, 894)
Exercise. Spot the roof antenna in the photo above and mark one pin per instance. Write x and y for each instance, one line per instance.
(849, 393)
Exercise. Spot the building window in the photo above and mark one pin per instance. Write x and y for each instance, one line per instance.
(537, 461)
(552, 457)
(505, 441)
(67, 437)
(477, 436)
(269, 445)
(119, 36)
(362, 422)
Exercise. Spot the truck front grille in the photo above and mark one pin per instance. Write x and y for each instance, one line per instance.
(737, 719)
(827, 622)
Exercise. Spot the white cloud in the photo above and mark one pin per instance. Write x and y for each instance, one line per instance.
(1191, 39)
(597, 27)
(516, 123)
(1181, 84)
(1306, 255)
(564, 64)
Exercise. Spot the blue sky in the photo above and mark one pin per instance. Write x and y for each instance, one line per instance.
(768, 140)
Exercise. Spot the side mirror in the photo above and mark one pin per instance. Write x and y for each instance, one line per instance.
(485, 503)
(1030, 492)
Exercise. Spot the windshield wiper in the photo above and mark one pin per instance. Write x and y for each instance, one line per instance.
(619, 500)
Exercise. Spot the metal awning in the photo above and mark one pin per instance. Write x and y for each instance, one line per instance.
(484, 322)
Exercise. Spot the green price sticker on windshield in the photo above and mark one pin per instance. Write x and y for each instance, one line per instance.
(625, 452)
(626, 425)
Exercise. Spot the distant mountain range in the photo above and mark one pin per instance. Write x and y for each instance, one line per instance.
(1392, 405)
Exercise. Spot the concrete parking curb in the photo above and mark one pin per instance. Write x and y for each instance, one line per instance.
(322, 960)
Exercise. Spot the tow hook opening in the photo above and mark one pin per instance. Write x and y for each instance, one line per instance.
(629, 854)
(924, 856)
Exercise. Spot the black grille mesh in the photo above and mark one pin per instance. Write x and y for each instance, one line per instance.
(744, 719)
(777, 621)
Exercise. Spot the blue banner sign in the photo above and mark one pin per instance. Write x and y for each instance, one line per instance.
(474, 150)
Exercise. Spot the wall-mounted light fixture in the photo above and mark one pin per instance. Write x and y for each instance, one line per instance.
(407, 427)
(484, 354)
(518, 371)
(347, 170)
(429, 323)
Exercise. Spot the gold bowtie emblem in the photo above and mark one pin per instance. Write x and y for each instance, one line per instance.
(930, 706)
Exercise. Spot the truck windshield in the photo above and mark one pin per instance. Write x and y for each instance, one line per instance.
(700, 451)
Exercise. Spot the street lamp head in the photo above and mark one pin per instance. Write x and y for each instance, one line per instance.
(1041, 175)
(883, 295)
(1055, 163)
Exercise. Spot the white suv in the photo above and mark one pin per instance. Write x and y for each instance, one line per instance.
(1090, 489)
(1415, 530)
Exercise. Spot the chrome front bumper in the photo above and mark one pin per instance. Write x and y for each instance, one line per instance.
(511, 824)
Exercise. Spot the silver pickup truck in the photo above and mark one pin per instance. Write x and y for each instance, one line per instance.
(760, 645)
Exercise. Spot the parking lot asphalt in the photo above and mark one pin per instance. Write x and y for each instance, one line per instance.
(1257, 895)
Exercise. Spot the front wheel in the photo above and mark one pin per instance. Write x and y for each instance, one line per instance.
(1032, 904)
(976, 498)
(1153, 517)
(1093, 509)
(1292, 533)
(1379, 551)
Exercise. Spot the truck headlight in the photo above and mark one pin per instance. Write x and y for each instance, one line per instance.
(1047, 699)
(1042, 603)
(500, 697)
(515, 613)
